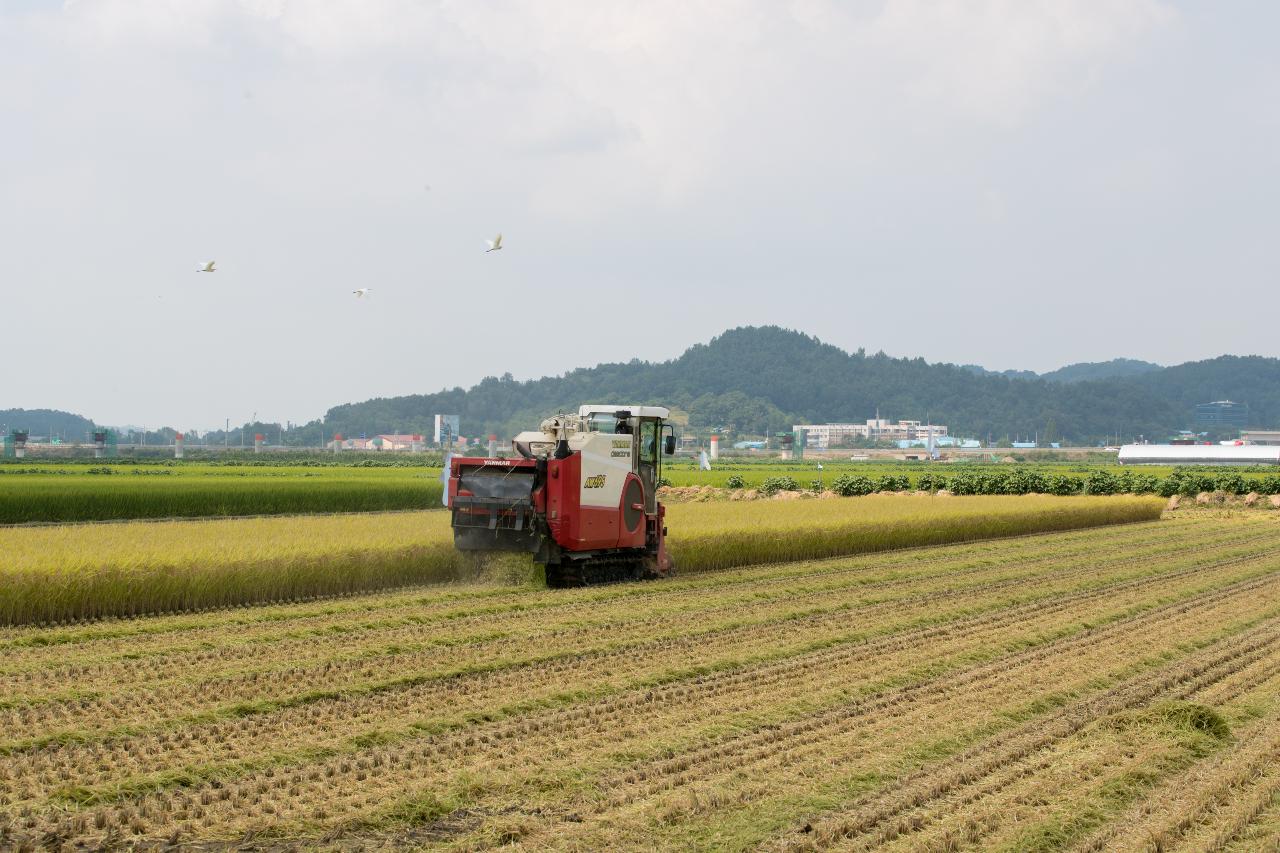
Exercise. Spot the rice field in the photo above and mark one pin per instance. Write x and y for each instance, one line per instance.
(70, 572)
(68, 493)
(1106, 689)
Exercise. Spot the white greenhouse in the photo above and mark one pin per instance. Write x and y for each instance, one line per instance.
(1199, 454)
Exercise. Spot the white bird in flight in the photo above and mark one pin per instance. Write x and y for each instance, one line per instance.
(362, 292)
(206, 266)
(494, 245)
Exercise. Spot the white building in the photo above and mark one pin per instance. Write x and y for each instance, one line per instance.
(399, 441)
(825, 436)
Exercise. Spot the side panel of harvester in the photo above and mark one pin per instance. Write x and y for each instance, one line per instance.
(584, 500)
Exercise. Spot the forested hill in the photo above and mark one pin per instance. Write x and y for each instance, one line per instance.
(1079, 372)
(40, 421)
(1113, 369)
(764, 379)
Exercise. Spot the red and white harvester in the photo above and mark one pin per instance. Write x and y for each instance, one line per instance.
(583, 499)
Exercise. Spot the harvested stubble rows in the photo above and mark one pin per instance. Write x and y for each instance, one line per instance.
(54, 574)
(1089, 690)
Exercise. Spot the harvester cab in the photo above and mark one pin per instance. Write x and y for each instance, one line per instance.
(582, 497)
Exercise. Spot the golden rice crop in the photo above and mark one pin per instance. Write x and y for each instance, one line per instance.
(87, 571)
(710, 536)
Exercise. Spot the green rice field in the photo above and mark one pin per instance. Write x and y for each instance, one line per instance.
(53, 493)
(64, 493)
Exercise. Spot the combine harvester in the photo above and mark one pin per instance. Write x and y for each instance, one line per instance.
(583, 499)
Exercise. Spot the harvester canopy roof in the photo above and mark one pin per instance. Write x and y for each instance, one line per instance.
(632, 411)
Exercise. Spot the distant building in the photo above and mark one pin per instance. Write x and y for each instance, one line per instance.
(446, 428)
(941, 442)
(1222, 414)
(351, 444)
(826, 436)
(1261, 436)
(398, 441)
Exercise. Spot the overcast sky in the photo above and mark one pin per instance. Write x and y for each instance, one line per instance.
(1017, 184)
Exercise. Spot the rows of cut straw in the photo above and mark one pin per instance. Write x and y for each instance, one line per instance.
(55, 574)
(1218, 798)
(492, 676)
(1049, 781)
(345, 655)
(782, 774)
(832, 694)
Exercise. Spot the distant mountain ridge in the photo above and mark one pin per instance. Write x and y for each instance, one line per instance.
(39, 421)
(1117, 367)
(760, 380)
(764, 379)
(1079, 372)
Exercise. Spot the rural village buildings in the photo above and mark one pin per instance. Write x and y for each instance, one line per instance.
(824, 436)
(395, 441)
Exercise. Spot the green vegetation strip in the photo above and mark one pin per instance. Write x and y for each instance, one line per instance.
(78, 493)
(58, 492)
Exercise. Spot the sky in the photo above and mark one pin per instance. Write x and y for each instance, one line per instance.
(1013, 183)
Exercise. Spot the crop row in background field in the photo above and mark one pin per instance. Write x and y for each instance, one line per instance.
(1089, 690)
(859, 478)
(90, 493)
(57, 573)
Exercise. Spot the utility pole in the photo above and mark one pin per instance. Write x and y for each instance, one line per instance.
(226, 435)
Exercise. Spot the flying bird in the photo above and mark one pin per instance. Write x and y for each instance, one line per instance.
(206, 266)
(362, 292)
(494, 245)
